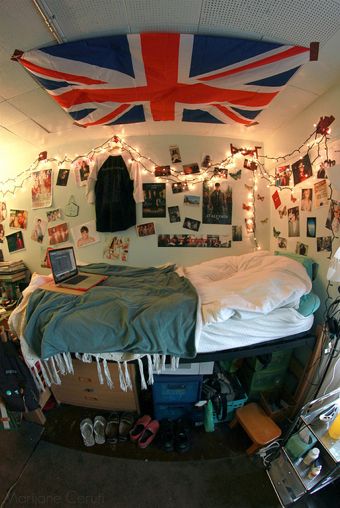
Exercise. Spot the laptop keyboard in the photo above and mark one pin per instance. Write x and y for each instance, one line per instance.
(76, 279)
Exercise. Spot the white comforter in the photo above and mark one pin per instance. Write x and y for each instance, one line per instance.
(247, 285)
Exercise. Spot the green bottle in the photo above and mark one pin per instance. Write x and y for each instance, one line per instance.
(209, 425)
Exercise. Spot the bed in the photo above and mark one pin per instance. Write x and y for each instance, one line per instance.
(228, 305)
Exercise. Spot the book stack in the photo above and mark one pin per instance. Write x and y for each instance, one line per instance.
(12, 271)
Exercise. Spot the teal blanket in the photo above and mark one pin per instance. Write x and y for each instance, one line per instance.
(136, 310)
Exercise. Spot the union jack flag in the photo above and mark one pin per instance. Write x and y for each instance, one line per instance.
(163, 77)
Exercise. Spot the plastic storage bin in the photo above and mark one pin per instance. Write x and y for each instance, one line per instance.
(176, 390)
(279, 361)
(233, 405)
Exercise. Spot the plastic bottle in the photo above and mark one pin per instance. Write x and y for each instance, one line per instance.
(209, 417)
(314, 471)
(334, 429)
(311, 456)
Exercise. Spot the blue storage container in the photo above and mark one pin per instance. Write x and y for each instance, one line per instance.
(176, 390)
(174, 411)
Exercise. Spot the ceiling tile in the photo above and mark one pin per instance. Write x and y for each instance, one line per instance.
(14, 80)
(30, 132)
(9, 115)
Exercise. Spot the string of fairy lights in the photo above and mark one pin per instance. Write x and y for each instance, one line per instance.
(256, 164)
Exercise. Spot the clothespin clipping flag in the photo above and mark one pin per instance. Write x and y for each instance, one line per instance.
(164, 77)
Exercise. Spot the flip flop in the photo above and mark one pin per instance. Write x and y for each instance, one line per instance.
(111, 430)
(149, 434)
(140, 425)
(125, 424)
(86, 430)
(99, 429)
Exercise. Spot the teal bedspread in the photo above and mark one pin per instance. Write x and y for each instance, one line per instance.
(136, 310)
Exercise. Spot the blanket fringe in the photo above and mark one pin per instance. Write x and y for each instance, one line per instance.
(107, 374)
(144, 386)
(122, 380)
(150, 369)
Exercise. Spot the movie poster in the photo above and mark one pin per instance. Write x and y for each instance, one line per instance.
(41, 189)
(154, 200)
(217, 203)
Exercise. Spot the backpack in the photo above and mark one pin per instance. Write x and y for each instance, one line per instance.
(17, 387)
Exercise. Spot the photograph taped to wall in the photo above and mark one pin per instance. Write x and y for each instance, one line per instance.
(301, 248)
(41, 189)
(174, 215)
(53, 215)
(146, 229)
(154, 204)
(118, 248)
(63, 175)
(206, 161)
(175, 154)
(15, 242)
(276, 199)
(302, 169)
(85, 234)
(320, 194)
(2, 233)
(191, 200)
(237, 233)
(179, 187)
(58, 234)
(311, 227)
(282, 175)
(282, 242)
(220, 172)
(191, 169)
(162, 171)
(333, 218)
(217, 203)
(249, 164)
(18, 219)
(306, 202)
(39, 230)
(293, 221)
(82, 170)
(324, 243)
(3, 211)
(191, 224)
(206, 241)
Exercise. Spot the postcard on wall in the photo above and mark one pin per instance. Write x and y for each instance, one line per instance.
(301, 248)
(174, 215)
(220, 172)
(282, 175)
(39, 230)
(302, 169)
(162, 171)
(3, 211)
(190, 169)
(191, 200)
(179, 187)
(82, 170)
(2, 233)
(41, 190)
(311, 227)
(206, 161)
(333, 218)
(58, 234)
(146, 229)
(175, 154)
(63, 175)
(53, 215)
(191, 224)
(85, 234)
(18, 219)
(276, 199)
(324, 243)
(154, 204)
(320, 193)
(15, 242)
(217, 203)
(118, 248)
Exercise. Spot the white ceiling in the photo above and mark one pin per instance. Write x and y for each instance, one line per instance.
(28, 114)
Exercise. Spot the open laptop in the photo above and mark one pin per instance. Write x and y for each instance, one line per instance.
(66, 274)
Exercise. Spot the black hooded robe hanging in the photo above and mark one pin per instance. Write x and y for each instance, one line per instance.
(115, 186)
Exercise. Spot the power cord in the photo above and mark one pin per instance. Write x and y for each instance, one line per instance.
(269, 453)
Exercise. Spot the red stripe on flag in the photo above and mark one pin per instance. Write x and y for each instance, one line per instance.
(296, 50)
(60, 75)
(109, 116)
(233, 115)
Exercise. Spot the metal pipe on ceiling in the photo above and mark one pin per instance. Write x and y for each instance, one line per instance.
(50, 20)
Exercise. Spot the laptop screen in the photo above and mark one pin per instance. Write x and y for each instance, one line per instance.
(63, 263)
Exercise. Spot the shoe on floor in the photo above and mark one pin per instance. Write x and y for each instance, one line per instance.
(149, 434)
(126, 422)
(86, 430)
(166, 435)
(182, 438)
(139, 427)
(99, 425)
(111, 429)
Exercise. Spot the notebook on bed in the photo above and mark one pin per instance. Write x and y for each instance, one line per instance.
(65, 271)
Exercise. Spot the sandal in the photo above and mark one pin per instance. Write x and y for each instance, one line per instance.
(99, 429)
(125, 424)
(149, 434)
(111, 429)
(139, 427)
(86, 430)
